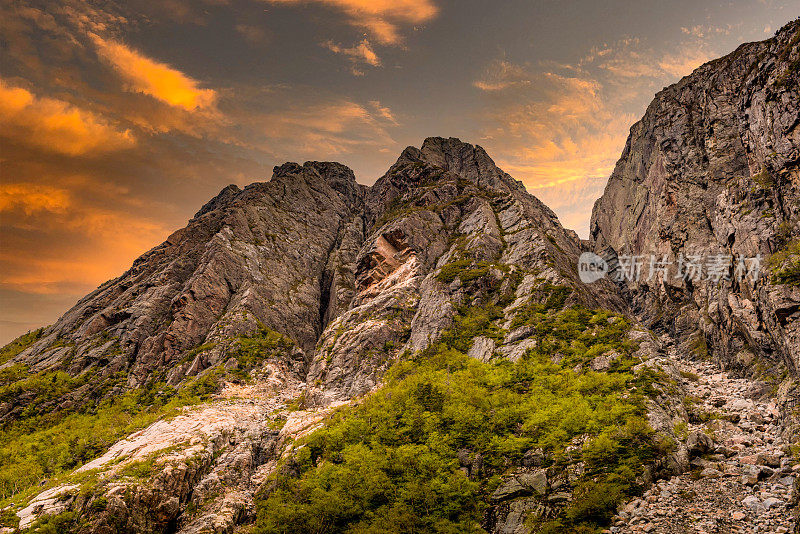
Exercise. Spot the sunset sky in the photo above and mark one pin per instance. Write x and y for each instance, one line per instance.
(118, 120)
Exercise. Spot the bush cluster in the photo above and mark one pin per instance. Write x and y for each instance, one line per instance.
(391, 464)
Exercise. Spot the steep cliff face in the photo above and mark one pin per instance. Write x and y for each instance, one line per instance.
(443, 206)
(712, 169)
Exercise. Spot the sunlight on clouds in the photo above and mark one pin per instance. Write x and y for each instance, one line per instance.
(629, 58)
(156, 79)
(685, 61)
(32, 198)
(556, 133)
(107, 241)
(502, 75)
(381, 18)
(329, 129)
(561, 127)
(358, 53)
(56, 125)
(383, 112)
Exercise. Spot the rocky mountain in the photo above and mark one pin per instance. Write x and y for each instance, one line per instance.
(313, 355)
(713, 169)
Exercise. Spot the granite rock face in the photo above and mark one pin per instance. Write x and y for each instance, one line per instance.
(259, 254)
(713, 169)
(345, 271)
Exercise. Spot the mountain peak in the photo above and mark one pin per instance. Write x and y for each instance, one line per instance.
(223, 197)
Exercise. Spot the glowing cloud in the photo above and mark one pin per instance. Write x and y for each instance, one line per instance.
(328, 129)
(381, 18)
(33, 198)
(55, 125)
(359, 53)
(502, 75)
(557, 133)
(156, 79)
(107, 240)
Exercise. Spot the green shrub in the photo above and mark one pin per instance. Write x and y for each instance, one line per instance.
(472, 321)
(265, 343)
(18, 345)
(51, 443)
(545, 298)
(390, 463)
(99, 505)
(64, 523)
(463, 269)
(785, 264)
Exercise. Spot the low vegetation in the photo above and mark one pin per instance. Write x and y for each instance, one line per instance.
(391, 463)
(18, 345)
(43, 440)
(785, 265)
(37, 448)
(251, 351)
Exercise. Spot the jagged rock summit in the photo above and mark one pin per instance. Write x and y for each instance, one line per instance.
(307, 248)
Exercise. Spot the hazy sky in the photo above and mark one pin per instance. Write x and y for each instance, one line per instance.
(118, 120)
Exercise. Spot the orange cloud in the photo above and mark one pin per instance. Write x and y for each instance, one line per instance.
(628, 58)
(358, 53)
(502, 75)
(557, 133)
(381, 18)
(55, 125)
(156, 79)
(32, 198)
(325, 130)
(383, 111)
(684, 61)
(102, 242)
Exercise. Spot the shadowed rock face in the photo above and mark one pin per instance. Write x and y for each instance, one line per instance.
(712, 168)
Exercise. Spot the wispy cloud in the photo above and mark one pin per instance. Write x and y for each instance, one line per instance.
(555, 128)
(33, 198)
(55, 125)
(704, 31)
(63, 219)
(360, 53)
(501, 74)
(630, 58)
(153, 78)
(383, 19)
(327, 129)
(558, 132)
(560, 127)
